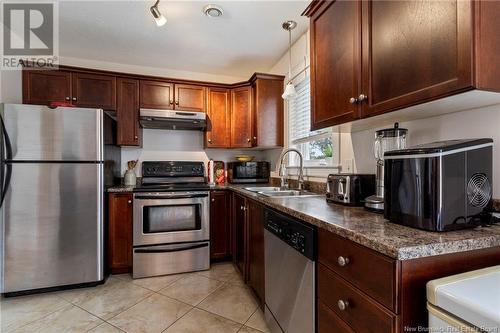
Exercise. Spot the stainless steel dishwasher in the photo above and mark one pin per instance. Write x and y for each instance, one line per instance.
(290, 274)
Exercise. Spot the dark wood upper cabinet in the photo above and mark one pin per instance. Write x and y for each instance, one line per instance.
(44, 87)
(156, 95)
(128, 112)
(256, 267)
(412, 52)
(415, 51)
(241, 117)
(335, 63)
(94, 91)
(120, 232)
(190, 98)
(218, 130)
(268, 112)
(220, 230)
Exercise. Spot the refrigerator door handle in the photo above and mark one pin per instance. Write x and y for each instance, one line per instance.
(6, 155)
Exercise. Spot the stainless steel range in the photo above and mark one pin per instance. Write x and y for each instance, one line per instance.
(171, 219)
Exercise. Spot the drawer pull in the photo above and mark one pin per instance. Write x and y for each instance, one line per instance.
(343, 305)
(343, 261)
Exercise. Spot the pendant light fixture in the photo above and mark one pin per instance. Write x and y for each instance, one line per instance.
(159, 18)
(289, 89)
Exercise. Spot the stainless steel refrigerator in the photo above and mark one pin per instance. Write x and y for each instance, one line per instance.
(51, 197)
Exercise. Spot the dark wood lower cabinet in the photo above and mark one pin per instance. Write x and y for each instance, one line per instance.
(328, 321)
(256, 269)
(120, 233)
(220, 229)
(248, 243)
(382, 294)
(240, 234)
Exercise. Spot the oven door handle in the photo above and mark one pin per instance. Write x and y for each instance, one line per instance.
(177, 249)
(164, 196)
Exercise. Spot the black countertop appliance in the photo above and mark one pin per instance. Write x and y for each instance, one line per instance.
(439, 186)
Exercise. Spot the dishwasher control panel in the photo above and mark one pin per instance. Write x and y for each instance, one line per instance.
(296, 234)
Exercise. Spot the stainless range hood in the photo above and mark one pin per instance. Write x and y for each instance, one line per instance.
(172, 120)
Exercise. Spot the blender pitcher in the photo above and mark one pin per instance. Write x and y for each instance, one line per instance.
(385, 140)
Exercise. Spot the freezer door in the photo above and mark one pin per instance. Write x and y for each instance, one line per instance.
(38, 133)
(52, 226)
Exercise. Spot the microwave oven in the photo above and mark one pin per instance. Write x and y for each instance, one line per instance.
(248, 172)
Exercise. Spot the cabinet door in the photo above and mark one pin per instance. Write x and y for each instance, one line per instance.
(128, 112)
(335, 63)
(414, 51)
(240, 234)
(241, 117)
(268, 117)
(256, 275)
(190, 98)
(219, 225)
(219, 122)
(157, 95)
(94, 91)
(120, 233)
(43, 87)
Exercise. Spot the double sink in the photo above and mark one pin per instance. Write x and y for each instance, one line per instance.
(275, 192)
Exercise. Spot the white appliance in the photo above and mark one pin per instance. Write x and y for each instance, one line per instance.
(468, 302)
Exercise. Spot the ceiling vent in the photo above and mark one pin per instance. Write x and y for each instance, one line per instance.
(213, 11)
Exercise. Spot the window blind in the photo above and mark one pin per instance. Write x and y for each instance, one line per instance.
(299, 114)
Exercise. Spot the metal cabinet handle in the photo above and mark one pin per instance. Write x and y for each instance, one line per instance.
(67, 98)
(343, 261)
(74, 98)
(248, 140)
(353, 100)
(343, 305)
(213, 200)
(255, 138)
(130, 201)
(171, 102)
(177, 102)
(209, 140)
(362, 97)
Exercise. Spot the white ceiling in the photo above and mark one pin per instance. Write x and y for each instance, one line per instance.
(246, 39)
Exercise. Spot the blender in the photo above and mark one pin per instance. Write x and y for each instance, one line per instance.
(385, 140)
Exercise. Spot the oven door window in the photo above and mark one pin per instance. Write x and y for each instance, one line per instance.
(170, 218)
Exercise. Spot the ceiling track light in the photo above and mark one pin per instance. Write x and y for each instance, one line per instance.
(290, 91)
(159, 18)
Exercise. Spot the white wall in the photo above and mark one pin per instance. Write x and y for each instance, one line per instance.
(476, 123)
(178, 145)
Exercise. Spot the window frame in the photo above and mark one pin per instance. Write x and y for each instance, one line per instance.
(292, 162)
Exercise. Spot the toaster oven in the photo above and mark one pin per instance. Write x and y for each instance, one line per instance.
(439, 186)
(349, 189)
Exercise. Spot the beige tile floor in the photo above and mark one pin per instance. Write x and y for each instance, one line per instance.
(213, 301)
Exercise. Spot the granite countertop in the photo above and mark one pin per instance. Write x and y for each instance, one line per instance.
(371, 229)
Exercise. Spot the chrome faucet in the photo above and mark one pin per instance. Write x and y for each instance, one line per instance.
(284, 180)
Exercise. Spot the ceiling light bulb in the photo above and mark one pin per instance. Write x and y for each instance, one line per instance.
(290, 91)
(159, 18)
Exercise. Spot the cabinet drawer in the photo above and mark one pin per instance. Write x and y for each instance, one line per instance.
(361, 313)
(373, 273)
(329, 322)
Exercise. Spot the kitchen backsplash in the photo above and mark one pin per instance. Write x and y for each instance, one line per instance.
(167, 145)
